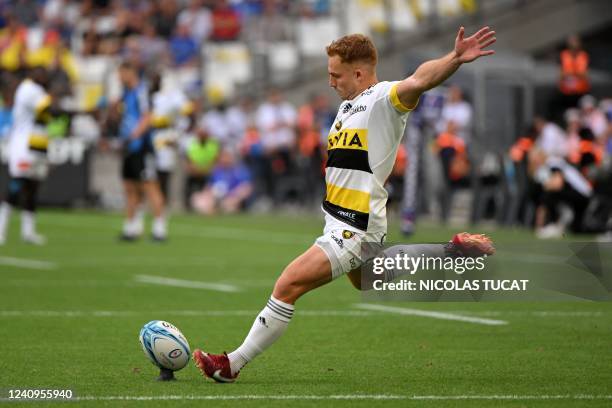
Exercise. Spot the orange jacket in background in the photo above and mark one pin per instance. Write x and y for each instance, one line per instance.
(519, 150)
(574, 69)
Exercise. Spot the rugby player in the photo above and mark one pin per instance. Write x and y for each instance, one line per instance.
(27, 153)
(362, 146)
(138, 168)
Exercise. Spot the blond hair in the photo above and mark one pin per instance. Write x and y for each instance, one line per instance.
(353, 48)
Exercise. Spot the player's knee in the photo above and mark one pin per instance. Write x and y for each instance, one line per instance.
(288, 289)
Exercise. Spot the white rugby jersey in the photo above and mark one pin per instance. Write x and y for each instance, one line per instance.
(28, 138)
(362, 145)
(169, 108)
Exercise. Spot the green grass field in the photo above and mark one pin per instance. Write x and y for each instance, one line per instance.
(71, 320)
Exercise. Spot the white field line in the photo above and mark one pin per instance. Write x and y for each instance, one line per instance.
(27, 263)
(432, 314)
(195, 313)
(341, 397)
(228, 313)
(180, 283)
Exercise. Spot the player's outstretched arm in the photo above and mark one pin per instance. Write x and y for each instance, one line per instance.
(432, 73)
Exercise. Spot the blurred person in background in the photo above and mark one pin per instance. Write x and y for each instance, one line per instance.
(238, 118)
(451, 150)
(574, 75)
(228, 189)
(564, 196)
(457, 110)
(524, 199)
(171, 117)
(138, 168)
(313, 119)
(198, 18)
(588, 155)
(276, 121)
(27, 153)
(550, 138)
(183, 47)
(593, 117)
(226, 24)
(201, 153)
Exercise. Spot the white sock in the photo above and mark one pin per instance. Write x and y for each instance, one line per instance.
(269, 325)
(5, 215)
(138, 221)
(159, 226)
(28, 224)
(128, 227)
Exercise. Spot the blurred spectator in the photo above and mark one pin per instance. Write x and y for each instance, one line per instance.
(313, 120)
(588, 155)
(525, 194)
(164, 15)
(564, 196)
(271, 26)
(13, 45)
(26, 11)
(238, 118)
(198, 18)
(229, 188)
(592, 116)
(216, 120)
(154, 50)
(226, 23)
(61, 15)
(550, 138)
(458, 111)
(276, 120)
(451, 150)
(58, 59)
(574, 61)
(183, 48)
(200, 156)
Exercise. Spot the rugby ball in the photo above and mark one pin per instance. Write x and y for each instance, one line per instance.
(164, 345)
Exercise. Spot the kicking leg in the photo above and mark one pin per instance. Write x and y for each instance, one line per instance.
(464, 245)
(307, 272)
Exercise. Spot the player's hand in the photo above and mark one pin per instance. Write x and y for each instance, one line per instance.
(470, 48)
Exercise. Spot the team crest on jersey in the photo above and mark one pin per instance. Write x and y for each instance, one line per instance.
(338, 125)
(347, 234)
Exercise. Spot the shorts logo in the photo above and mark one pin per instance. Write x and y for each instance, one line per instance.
(338, 241)
(347, 234)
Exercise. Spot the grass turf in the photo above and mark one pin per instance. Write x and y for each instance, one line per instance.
(57, 334)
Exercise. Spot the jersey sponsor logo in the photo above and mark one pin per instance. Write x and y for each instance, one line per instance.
(355, 219)
(338, 241)
(357, 109)
(347, 214)
(348, 139)
(346, 107)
